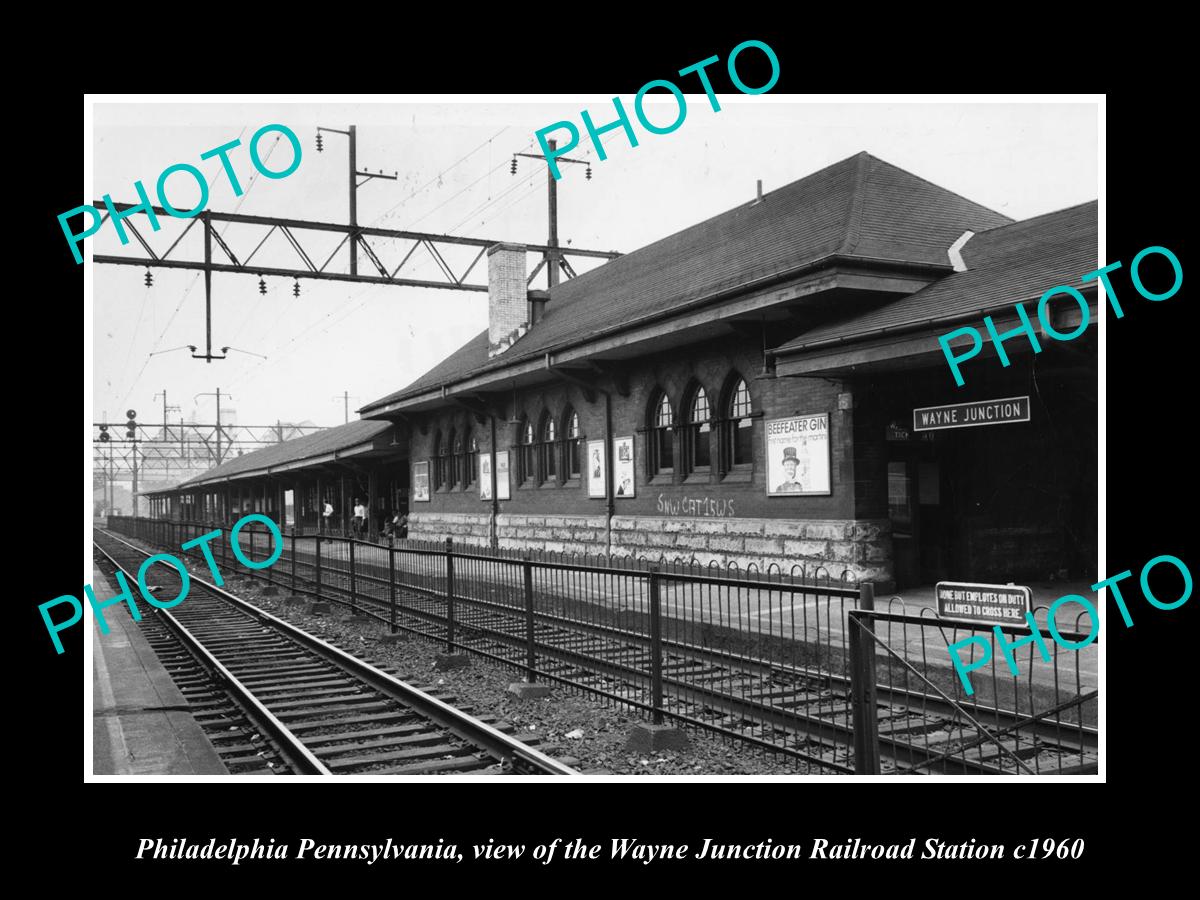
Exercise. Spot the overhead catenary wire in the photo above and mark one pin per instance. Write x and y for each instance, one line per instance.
(254, 178)
(438, 176)
(254, 307)
(425, 264)
(532, 187)
(462, 190)
(522, 190)
(280, 349)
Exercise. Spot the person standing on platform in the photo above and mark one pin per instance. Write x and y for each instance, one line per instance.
(325, 517)
(359, 522)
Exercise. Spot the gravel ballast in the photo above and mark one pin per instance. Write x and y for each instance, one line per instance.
(581, 728)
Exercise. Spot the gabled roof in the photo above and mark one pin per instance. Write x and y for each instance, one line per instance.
(1005, 265)
(861, 208)
(321, 443)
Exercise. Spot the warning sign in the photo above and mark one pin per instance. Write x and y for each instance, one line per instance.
(1005, 603)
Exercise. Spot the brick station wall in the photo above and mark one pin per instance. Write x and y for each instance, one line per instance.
(713, 517)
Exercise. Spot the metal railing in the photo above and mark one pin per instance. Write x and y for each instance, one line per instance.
(774, 659)
(912, 714)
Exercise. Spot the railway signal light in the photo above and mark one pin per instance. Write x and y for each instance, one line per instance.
(104, 438)
(131, 425)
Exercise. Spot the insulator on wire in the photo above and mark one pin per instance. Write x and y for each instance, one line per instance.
(296, 288)
(262, 285)
(588, 173)
(320, 146)
(149, 278)
(514, 165)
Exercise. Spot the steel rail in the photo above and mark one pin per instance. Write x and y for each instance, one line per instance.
(521, 757)
(295, 754)
(1085, 737)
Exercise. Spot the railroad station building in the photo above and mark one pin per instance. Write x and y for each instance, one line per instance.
(756, 389)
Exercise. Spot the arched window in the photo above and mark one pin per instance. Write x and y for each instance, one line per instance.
(470, 462)
(548, 436)
(439, 461)
(571, 444)
(737, 438)
(527, 453)
(455, 460)
(699, 432)
(662, 437)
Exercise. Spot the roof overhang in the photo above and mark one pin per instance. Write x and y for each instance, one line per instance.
(915, 344)
(695, 321)
(377, 446)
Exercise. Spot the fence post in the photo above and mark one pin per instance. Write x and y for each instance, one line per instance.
(449, 595)
(353, 581)
(267, 541)
(656, 687)
(317, 592)
(530, 647)
(392, 588)
(293, 559)
(866, 597)
(862, 696)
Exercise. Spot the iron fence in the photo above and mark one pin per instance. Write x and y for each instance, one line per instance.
(913, 715)
(776, 659)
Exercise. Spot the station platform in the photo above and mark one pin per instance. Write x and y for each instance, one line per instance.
(141, 724)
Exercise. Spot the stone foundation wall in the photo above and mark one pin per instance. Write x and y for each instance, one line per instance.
(554, 534)
(467, 528)
(860, 549)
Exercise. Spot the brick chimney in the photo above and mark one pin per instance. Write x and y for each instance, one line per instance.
(508, 297)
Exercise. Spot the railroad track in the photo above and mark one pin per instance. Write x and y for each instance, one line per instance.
(290, 703)
(807, 713)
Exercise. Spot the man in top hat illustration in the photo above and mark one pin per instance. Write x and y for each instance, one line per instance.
(791, 463)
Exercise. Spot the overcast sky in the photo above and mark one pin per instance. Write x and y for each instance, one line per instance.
(453, 163)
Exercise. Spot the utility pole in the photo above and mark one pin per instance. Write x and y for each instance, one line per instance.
(345, 398)
(355, 234)
(354, 199)
(552, 239)
(554, 258)
(352, 134)
(217, 394)
(166, 435)
(135, 474)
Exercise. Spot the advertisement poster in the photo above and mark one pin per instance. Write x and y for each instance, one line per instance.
(502, 475)
(798, 455)
(623, 467)
(485, 477)
(421, 482)
(595, 469)
(289, 508)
